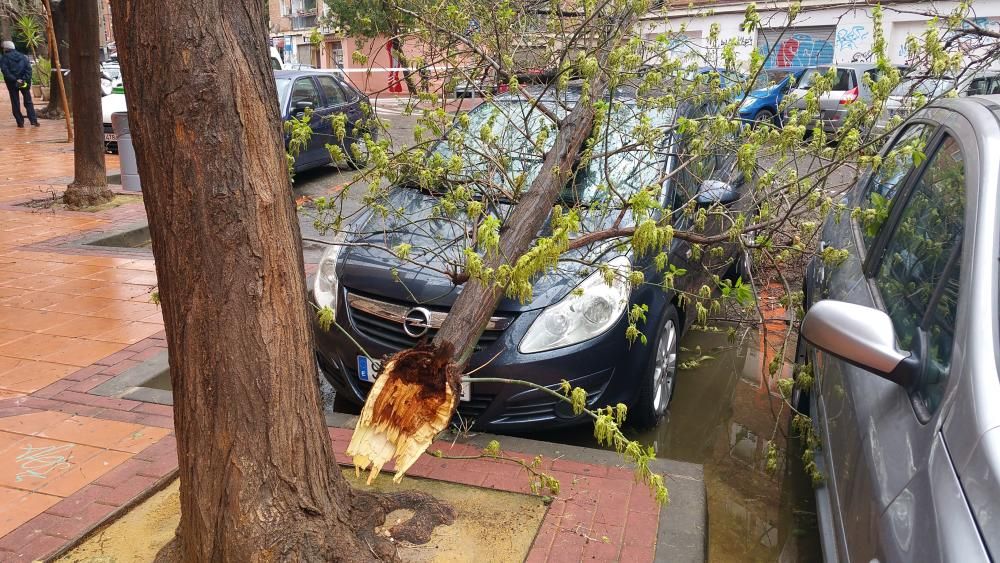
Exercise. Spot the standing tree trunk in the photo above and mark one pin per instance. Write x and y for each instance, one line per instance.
(90, 181)
(258, 477)
(59, 91)
(404, 62)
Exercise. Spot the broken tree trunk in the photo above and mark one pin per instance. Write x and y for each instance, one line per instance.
(477, 302)
(258, 478)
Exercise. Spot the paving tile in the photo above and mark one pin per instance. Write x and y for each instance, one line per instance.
(83, 326)
(54, 467)
(129, 332)
(31, 320)
(59, 349)
(128, 310)
(18, 506)
(29, 376)
(99, 433)
(122, 291)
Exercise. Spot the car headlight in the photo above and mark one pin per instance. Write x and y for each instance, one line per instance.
(747, 102)
(588, 311)
(325, 283)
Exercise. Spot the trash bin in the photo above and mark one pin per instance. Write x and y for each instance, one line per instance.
(126, 153)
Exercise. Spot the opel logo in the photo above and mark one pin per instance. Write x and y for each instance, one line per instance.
(417, 322)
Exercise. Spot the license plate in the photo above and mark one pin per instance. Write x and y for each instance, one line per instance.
(110, 137)
(368, 371)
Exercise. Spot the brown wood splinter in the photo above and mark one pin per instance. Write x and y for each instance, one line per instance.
(412, 400)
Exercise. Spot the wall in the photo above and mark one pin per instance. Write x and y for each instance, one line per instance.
(852, 36)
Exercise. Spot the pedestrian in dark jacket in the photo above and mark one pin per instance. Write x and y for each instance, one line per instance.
(16, 71)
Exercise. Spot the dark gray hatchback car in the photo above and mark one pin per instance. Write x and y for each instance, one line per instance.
(904, 344)
(386, 304)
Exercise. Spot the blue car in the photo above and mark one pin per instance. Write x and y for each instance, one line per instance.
(761, 103)
(326, 94)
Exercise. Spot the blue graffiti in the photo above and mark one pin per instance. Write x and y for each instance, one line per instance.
(801, 49)
(848, 38)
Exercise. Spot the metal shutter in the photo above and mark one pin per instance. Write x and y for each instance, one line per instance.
(797, 46)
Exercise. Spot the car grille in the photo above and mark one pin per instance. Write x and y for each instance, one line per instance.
(382, 321)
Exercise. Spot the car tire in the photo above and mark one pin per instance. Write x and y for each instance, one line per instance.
(764, 116)
(660, 377)
(799, 399)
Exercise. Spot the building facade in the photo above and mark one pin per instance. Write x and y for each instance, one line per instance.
(823, 33)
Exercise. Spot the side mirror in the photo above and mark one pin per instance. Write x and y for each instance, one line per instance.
(861, 336)
(716, 191)
(301, 106)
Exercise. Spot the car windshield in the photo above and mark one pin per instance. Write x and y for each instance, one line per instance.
(770, 78)
(931, 87)
(503, 145)
(841, 82)
(283, 85)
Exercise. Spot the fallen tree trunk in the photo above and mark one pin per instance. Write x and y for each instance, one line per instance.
(473, 308)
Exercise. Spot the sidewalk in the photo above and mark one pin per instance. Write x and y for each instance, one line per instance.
(73, 316)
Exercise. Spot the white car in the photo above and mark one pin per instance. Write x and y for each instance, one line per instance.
(112, 103)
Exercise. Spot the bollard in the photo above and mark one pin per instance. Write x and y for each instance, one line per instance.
(126, 153)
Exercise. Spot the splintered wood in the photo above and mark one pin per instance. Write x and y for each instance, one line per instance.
(412, 400)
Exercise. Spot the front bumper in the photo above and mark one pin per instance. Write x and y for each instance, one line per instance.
(109, 145)
(607, 367)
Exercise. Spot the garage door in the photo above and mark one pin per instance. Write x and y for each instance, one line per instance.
(797, 46)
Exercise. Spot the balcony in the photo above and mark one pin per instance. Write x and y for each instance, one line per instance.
(304, 21)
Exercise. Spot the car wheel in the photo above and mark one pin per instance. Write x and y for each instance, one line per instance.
(763, 117)
(661, 375)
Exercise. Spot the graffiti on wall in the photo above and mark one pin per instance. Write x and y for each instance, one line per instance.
(800, 49)
(851, 38)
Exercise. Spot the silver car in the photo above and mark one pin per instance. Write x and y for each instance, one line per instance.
(848, 88)
(903, 341)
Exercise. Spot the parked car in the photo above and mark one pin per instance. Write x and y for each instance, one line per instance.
(299, 66)
(326, 94)
(385, 304)
(900, 100)
(902, 338)
(848, 87)
(112, 103)
(761, 105)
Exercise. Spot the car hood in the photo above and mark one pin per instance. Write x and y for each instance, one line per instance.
(435, 244)
(112, 103)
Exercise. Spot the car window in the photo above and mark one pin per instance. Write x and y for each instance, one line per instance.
(843, 81)
(905, 154)
(304, 90)
(334, 95)
(919, 275)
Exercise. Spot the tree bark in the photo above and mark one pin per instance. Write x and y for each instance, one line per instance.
(90, 182)
(477, 302)
(60, 93)
(404, 62)
(258, 477)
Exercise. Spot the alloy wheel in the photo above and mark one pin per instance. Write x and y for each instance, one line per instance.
(665, 372)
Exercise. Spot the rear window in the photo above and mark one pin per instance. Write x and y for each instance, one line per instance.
(843, 82)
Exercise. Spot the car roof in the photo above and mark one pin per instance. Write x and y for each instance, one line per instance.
(298, 73)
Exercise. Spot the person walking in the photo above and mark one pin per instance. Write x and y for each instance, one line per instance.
(16, 71)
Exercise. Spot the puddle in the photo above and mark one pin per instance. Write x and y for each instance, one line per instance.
(132, 238)
(722, 417)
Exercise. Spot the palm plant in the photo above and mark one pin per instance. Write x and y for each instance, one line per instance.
(30, 32)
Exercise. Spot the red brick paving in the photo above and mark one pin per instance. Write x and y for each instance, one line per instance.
(71, 318)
